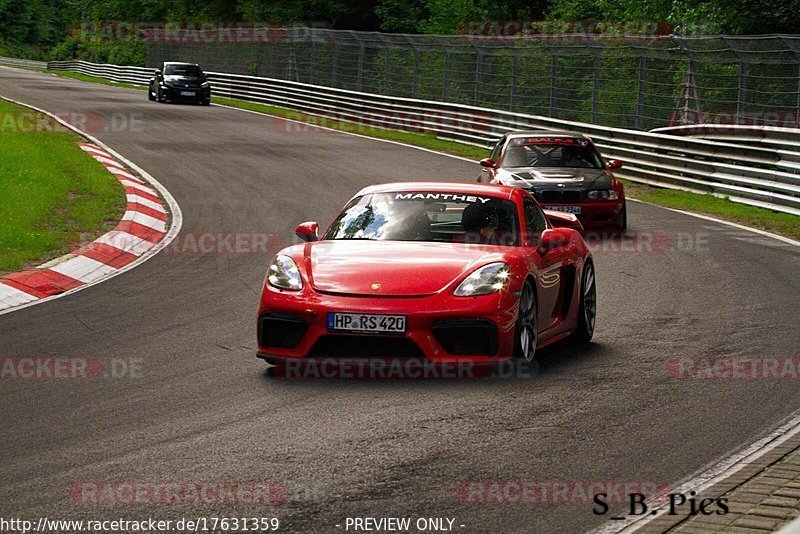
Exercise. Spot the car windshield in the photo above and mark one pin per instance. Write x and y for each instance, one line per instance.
(182, 70)
(551, 152)
(428, 216)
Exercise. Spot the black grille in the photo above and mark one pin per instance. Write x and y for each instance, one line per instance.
(347, 346)
(280, 330)
(558, 195)
(467, 336)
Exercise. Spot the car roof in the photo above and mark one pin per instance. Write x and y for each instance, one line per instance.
(470, 188)
(563, 133)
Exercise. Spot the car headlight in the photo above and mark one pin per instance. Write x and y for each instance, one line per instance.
(284, 274)
(488, 279)
(603, 194)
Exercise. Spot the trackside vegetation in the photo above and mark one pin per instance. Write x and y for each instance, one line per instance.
(54, 196)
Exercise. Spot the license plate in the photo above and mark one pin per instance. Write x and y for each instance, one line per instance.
(566, 209)
(367, 323)
(187, 93)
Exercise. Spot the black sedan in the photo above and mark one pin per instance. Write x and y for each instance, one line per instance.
(180, 82)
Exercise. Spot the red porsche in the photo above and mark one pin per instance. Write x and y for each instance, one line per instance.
(442, 272)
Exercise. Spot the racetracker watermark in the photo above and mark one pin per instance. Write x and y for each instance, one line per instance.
(187, 32)
(383, 368)
(88, 121)
(646, 242)
(335, 122)
(57, 368)
(225, 244)
(735, 368)
(178, 493)
(566, 31)
(780, 118)
(528, 492)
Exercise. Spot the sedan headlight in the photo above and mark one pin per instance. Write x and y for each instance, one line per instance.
(603, 194)
(488, 279)
(284, 274)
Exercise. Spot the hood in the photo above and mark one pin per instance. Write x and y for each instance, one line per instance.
(182, 80)
(548, 178)
(391, 268)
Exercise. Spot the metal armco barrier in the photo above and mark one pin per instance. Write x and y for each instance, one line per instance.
(14, 62)
(765, 174)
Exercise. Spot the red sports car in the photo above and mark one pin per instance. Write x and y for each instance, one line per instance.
(442, 272)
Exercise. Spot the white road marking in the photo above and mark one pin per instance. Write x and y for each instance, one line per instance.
(145, 220)
(84, 269)
(11, 296)
(145, 202)
(125, 242)
(712, 474)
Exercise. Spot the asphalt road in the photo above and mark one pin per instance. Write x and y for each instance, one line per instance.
(201, 409)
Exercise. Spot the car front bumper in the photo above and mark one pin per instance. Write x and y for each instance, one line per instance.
(593, 213)
(174, 93)
(440, 328)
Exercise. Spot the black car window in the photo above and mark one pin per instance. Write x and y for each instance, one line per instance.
(535, 222)
(182, 70)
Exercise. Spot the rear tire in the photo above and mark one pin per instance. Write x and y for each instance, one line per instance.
(587, 311)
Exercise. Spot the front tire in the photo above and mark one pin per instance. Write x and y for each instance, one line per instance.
(622, 223)
(587, 311)
(526, 333)
(150, 96)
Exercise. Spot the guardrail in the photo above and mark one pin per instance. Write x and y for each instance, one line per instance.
(14, 62)
(765, 176)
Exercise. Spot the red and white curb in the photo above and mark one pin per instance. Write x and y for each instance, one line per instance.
(145, 228)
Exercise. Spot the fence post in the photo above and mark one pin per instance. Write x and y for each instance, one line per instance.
(514, 74)
(386, 69)
(446, 81)
(742, 93)
(641, 92)
(313, 60)
(416, 75)
(478, 77)
(360, 71)
(553, 86)
(596, 87)
(333, 63)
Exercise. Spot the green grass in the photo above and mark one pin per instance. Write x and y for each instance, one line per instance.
(55, 197)
(722, 208)
(779, 223)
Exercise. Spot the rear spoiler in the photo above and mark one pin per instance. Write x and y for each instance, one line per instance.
(560, 219)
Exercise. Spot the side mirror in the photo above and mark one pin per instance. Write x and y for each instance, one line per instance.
(158, 72)
(487, 162)
(614, 164)
(307, 231)
(552, 238)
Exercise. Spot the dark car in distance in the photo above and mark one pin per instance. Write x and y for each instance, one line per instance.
(180, 82)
